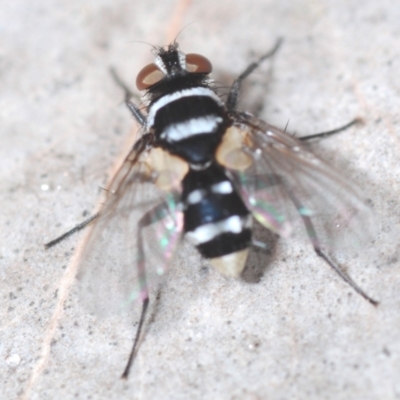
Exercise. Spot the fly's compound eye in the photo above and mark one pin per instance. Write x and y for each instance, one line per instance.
(198, 64)
(149, 76)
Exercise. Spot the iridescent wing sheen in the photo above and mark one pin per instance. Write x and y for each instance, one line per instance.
(135, 236)
(285, 183)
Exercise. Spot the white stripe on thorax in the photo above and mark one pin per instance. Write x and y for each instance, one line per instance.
(191, 127)
(207, 232)
(169, 98)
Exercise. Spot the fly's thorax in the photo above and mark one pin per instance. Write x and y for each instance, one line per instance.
(189, 123)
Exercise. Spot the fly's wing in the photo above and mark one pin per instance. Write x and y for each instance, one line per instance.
(118, 265)
(282, 182)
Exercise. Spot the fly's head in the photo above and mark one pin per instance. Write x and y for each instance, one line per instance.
(170, 65)
(171, 61)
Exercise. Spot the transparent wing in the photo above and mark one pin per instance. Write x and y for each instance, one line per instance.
(135, 236)
(283, 183)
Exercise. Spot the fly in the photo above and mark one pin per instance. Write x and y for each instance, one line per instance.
(204, 171)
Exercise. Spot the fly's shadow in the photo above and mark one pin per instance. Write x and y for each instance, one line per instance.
(260, 259)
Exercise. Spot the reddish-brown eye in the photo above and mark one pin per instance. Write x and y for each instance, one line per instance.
(198, 64)
(148, 76)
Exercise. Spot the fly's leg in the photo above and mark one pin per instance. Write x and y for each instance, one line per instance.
(156, 214)
(137, 337)
(310, 227)
(133, 108)
(323, 135)
(75, 229)
(312, 234)
(233, 95)
(139, 147)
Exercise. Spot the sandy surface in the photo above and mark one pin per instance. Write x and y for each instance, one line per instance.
(298, 333)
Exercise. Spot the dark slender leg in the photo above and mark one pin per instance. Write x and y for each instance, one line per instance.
(322, 135)
(312, 234)
(343, 275)
(72, 231)
(139, 147)
(133, 108)
(155, 214)
(235, 88)
(137, 337)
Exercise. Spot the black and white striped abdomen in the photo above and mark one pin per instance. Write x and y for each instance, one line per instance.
(216, 220)
(188, 123)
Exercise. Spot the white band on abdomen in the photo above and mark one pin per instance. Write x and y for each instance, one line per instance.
(207, 232)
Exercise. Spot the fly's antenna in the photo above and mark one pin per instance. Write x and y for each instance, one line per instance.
(176, 37)
(140, 41)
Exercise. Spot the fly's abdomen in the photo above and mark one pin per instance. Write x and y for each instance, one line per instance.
(216, 220)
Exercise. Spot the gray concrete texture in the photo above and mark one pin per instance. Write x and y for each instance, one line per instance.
(299, 332)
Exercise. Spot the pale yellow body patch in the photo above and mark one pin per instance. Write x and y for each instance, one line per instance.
(230, 153)
(232, 264)
(168, 170)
